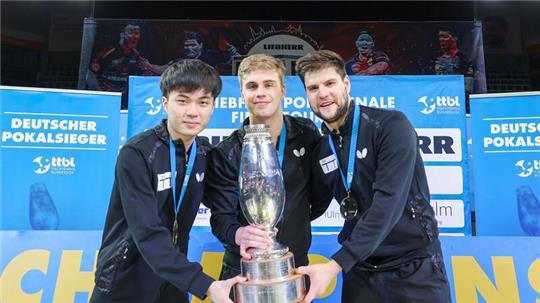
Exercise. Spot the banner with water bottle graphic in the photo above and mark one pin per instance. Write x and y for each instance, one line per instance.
(57, 154)
(434, 104)
(506, 151)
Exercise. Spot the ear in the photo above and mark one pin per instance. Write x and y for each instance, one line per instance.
(347, 83)
(165, 102)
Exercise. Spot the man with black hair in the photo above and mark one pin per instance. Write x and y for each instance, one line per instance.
(367, 61)
(112, 65)
(193, 49)
(452, 61)
(155, 198)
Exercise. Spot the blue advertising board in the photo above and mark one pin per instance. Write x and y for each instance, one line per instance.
(58, 152)
(434, 104)
(58, 266)
(506, 149)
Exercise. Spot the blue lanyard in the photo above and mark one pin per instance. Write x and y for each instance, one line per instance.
(281, 147)
(189, 168)
(352, 148)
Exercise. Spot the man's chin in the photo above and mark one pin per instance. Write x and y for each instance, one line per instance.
(191, 132)
(329, 118)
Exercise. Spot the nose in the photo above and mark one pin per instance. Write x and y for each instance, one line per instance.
(191, 109)
(322, 92)
(260, 92)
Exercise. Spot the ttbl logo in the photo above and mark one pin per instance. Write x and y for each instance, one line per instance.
(56, 165)
(155, 106)
(528, 168)
(443, 104)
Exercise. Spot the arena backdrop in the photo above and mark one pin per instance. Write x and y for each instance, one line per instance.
(114, 49)
(434, 104)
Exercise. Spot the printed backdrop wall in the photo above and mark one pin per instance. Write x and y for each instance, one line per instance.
(506, 144)
(434, 104)
(57, 155)
(58, 266)
(112, 50)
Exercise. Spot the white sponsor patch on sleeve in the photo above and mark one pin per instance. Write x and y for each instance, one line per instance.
(329, 164)
(164, 181)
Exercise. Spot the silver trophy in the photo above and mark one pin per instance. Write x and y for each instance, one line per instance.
(270, 273)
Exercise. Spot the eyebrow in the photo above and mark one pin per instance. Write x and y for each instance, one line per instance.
(264, 81)
(188, 97)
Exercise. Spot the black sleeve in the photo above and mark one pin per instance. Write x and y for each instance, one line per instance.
(221, 194)
(153, 240)
(320, 195)
(397, 151)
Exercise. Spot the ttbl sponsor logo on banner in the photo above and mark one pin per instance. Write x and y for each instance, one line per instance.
(54, 165)
(528, 168)
(440, 105)
(154, 106)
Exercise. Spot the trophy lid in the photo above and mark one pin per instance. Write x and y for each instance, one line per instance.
(257, 131)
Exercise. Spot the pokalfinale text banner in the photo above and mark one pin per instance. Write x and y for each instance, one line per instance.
(58, 152)
(112, 50)
(58, 266)
(506, 150)
(434, 104)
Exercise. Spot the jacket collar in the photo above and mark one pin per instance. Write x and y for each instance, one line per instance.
(161, 131)
(345, 128)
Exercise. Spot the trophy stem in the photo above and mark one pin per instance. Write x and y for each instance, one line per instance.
(275, 250)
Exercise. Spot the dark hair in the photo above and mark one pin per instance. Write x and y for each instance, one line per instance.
(192, 35)
(318, 60)
(447, 30)
(364, 32)
(190, 75)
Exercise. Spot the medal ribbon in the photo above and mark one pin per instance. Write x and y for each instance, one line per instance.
(347, 182)
(189, 168)
(281, 147)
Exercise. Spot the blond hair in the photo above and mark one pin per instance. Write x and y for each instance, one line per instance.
(261, 62)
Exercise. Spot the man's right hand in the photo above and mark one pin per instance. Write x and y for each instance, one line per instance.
(219, 290)
(251, 236)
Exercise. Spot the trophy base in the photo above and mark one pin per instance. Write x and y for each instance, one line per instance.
(289, 290)
(270, 281)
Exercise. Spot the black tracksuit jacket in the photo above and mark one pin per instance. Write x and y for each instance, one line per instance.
(395, 222)
(137, 255)
(303, 202)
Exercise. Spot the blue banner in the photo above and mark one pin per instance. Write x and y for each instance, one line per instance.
(58, 152)
(434, 104)
(436, 107)
(58, 266)
(146, 109)
(506, 145)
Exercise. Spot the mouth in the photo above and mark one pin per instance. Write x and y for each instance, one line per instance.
(261, 103)
(325, 104)
(191, 124)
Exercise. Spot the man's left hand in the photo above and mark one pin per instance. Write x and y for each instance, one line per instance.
(320, 276)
